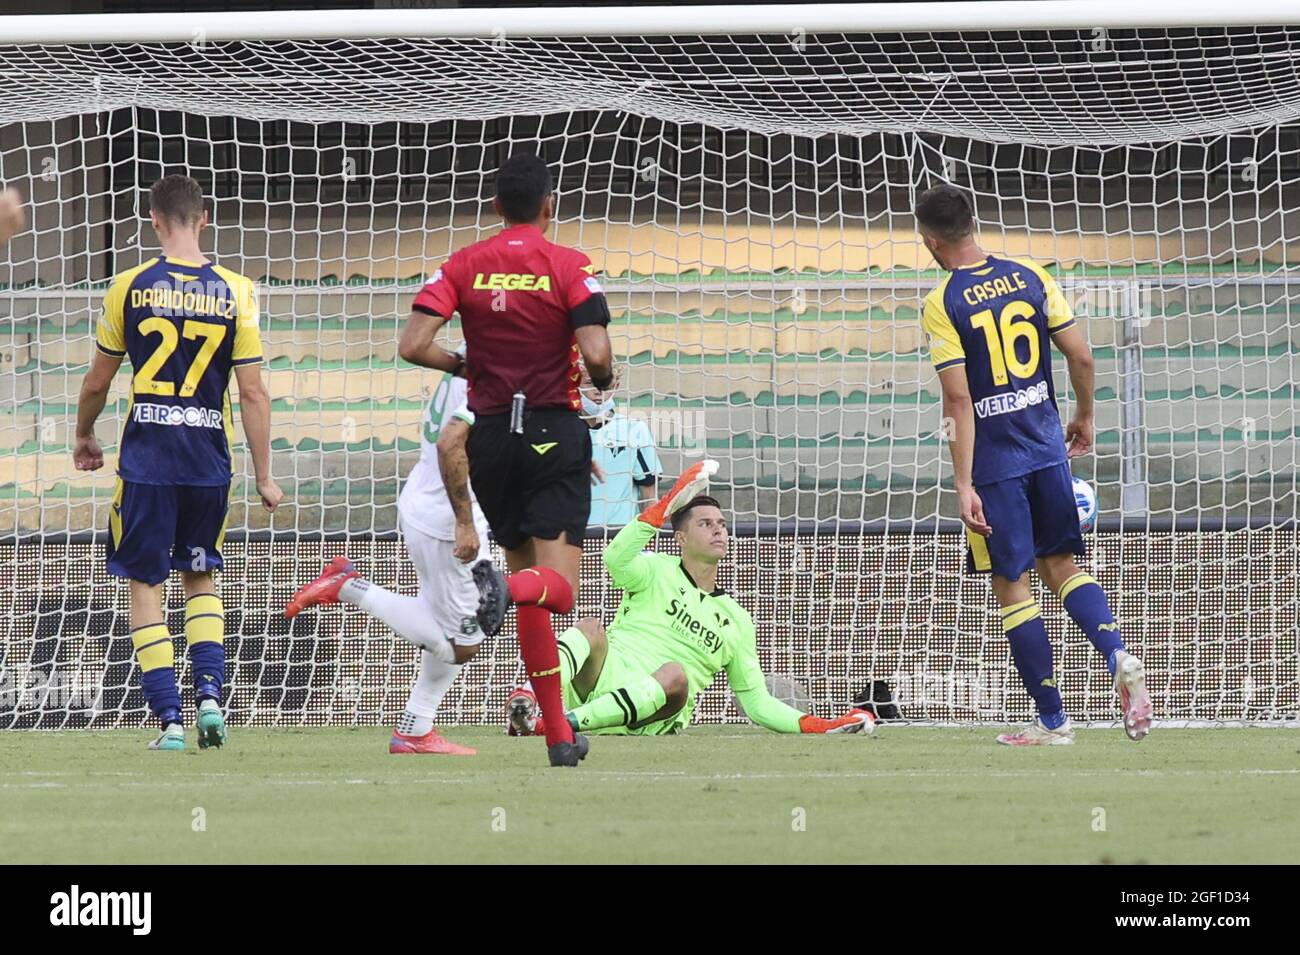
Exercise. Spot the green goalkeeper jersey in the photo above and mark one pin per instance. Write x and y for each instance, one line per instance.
(664, 617)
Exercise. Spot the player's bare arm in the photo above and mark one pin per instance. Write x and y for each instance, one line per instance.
(959, 419)
(13, 217)
(453, 461)
(597, 355)
(1080, 431)
(418, 347)
(87, 455)
(255, 415)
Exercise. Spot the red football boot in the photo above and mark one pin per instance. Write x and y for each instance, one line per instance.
(324, 589)
(430, 742)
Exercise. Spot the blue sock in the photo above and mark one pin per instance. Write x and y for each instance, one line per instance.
(1032, 653)
(205, 621)
(153, 649)
(162, 695)
(1085, 602)
(208, 664)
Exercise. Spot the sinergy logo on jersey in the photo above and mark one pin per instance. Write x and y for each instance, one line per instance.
(705, 638)
(176, 416)
(1012, 400)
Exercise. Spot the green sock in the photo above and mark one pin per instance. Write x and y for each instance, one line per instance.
(625, 706)
(574, 650)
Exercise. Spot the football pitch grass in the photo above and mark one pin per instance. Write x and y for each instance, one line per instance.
(714, 794)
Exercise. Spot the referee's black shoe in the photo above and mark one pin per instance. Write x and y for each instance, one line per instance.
(569, 754)
(493, 597)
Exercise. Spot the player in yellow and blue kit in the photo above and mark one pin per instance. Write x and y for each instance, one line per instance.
(184, 323)
(991, 325)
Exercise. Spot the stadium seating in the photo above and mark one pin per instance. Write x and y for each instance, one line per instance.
(815, 390)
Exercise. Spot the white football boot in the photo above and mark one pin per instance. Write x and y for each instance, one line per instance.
(172, 737)
(1134, 700)
(1036, 734)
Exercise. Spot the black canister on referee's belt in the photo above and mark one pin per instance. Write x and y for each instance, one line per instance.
(517, 413)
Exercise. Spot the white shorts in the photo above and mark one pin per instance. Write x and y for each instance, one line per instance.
(446, 585)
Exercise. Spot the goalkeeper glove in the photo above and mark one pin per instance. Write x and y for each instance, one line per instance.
(694, 481)
(854, 721)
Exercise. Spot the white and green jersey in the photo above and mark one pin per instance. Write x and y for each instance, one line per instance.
(424, 504)
(665, 617)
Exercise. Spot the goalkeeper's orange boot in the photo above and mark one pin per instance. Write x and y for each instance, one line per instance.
(324, 589)
(430, 742)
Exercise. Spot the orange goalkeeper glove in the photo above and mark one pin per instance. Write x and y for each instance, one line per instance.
(694, 481)
(854, 721)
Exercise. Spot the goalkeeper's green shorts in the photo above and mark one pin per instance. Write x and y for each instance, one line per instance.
(619, 671)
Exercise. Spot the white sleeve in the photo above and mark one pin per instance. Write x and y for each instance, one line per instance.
(458, 398)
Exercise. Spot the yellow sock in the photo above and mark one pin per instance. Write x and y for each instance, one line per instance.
(153, 648)
(205, 631)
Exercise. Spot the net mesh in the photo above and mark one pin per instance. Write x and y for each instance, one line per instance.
(746, 199)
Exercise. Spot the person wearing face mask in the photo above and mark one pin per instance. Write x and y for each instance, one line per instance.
(624, 450)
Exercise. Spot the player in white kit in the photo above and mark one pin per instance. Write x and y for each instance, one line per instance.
(441, 620)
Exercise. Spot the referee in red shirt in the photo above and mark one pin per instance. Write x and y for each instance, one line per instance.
(528, 309)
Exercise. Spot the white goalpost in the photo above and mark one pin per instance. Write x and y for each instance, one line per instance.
(743, 178)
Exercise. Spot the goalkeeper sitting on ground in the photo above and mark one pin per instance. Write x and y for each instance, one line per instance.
(674, 630)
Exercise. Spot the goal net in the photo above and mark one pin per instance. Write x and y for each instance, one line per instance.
(745, 195)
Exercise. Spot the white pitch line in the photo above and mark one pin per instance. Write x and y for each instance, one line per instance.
(946, 773)
(440, 780)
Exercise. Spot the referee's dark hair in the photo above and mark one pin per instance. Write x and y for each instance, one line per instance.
(523, 183)
(699, 500)
(945, 213)
(177, 199)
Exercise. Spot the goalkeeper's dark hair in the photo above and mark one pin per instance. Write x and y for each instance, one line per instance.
(944, 212)
(699, 500)
(177, 199)
(523, 183)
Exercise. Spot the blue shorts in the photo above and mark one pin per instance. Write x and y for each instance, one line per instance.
(1033, 515)
(154, 529)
